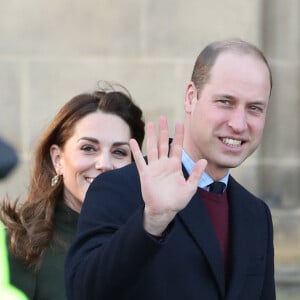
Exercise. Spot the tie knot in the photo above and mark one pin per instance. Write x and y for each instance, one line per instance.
(217, 187)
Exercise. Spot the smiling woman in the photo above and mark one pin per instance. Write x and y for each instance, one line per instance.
(99, 143)
(88, 136)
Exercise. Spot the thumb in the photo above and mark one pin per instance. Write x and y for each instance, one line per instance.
(197, 172)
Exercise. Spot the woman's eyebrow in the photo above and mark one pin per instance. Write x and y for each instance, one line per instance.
(95, 141)
(90, 139)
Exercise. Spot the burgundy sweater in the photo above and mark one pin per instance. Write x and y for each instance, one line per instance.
(217, 209)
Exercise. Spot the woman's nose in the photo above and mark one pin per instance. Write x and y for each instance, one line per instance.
(104, 162)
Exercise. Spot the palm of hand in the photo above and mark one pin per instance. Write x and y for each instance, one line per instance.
(165, 190)
(164, 187)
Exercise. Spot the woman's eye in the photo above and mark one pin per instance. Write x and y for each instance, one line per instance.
(88, 148)
(120, 152)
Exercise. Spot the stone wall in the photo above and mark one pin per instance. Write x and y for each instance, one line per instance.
(51, 51)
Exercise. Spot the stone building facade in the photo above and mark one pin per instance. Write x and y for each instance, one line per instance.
(51, 51)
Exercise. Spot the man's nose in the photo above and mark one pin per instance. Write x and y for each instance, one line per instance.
(238, 119)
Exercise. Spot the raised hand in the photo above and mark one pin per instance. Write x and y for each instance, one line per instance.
(164, 188)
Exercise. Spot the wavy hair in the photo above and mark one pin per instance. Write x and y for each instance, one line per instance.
(30, 223)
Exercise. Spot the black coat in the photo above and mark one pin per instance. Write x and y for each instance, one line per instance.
(114, 258)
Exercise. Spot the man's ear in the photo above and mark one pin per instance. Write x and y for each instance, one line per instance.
(55, 154)
(190, 97)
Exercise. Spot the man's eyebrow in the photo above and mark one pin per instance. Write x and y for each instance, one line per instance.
(258, 102)
(228, 96)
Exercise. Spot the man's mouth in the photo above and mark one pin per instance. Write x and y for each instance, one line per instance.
(232, 142)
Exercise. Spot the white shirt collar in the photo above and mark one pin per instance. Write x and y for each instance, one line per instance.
(205, 179)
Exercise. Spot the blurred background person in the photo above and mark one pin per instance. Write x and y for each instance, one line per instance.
(8, 161)
(7, 290)
(8, 158)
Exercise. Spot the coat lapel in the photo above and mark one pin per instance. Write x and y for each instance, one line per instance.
(239, 232)
(197, 222)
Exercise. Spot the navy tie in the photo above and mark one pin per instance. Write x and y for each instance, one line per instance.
(217, 187)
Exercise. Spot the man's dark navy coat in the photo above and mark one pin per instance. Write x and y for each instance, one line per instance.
(113, 258)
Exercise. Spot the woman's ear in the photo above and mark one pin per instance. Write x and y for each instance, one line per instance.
(190, 97)
(55, 154)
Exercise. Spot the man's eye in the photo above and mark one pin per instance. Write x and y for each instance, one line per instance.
(256, 108)
(224, 101)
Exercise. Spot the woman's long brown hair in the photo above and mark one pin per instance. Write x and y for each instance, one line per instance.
(30, 223)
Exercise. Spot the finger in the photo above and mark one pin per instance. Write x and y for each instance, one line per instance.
(197, 172)
(163, 140)
(152, 152)
(176, 146)
(137, 155)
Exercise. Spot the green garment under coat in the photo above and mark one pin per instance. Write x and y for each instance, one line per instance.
(48, 282)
